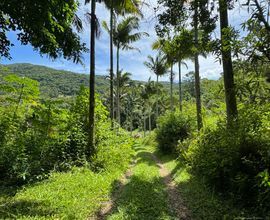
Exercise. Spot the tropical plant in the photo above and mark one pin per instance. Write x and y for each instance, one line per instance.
(167, 48)
(116, 8)
(157, 65)
(123, 36)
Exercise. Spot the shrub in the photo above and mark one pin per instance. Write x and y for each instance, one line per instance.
(236, 160)
(113, 152)
(51, 136)
(172, 127)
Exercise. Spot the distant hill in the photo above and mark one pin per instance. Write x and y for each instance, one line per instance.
(54, 83)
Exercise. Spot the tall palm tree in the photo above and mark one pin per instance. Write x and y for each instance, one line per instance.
(148, 92)
(184, 50)
(197, 67)
(94, 33)
(159, 67)
(168, 49)
(123, 36)
(117, 7)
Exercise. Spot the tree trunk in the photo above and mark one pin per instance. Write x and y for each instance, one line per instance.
(91, 146)
(118, 88)
(157, 102)
(150, 127)
(231, 105)
(144, 126)
(171, 88)
(131, 125)
(197, 71)
(180, 86)
(18, 103)
(111, 67)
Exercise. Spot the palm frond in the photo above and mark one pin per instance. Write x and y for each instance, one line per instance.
(89, 17)
(77, 22)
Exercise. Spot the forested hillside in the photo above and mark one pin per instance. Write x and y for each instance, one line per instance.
(54, 83)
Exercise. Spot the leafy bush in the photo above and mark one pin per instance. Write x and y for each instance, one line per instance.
(38, 136)
(236, 160)
(172, 127)
(113, 152)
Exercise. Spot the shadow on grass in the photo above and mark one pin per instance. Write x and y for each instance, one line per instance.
(146, 157)
(24, 208)
(202, 201)
(141, 199)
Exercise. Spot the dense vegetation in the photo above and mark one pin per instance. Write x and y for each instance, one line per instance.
(64, 148)
(40, 135)
(232, 160)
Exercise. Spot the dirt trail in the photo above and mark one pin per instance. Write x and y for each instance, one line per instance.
(107, 207)
(176, 204)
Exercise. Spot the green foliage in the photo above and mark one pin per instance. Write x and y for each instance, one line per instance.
(171, 128)
(39, 136)
(47, 27)
(236, 160)
(200, 199)
(114, 151)
(55, 83)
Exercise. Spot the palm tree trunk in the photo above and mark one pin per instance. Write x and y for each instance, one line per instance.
(118, 87)
(131, 124)
(144, 126)
(150, 127)
(171, 88)
(91, 146)
(157, 102)
(180, 86)
(197, 71)
(231, 105)
(111, 67)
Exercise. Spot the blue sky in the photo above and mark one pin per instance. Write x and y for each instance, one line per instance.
(130, 61)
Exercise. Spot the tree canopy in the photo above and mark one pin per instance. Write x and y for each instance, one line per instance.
(46, 25)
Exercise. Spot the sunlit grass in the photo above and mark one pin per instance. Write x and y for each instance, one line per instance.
(144, 196)
(72, 195)
(200, 200)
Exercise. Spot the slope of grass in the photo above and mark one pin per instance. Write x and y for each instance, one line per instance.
(73, 195)
(144, 196)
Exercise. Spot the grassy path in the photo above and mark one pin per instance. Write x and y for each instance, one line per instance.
(174, 198)
(146, 192)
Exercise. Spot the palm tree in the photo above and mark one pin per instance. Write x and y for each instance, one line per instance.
(168, 49)
(197, 67)
(148, 95)
(94, 33)
(159, 67)
(117, 7)
(122, 38)
(184, 50)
